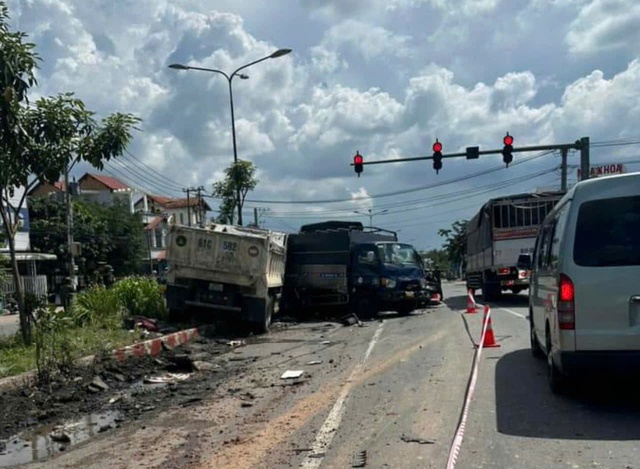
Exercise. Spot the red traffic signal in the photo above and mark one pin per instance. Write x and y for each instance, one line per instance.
(358, 163)
(437, 156)
(507, 155)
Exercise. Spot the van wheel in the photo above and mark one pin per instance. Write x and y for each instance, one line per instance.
(557, 382)
(536, 350)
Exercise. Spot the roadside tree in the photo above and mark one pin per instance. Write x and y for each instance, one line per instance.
(39, 141)
(240, 175)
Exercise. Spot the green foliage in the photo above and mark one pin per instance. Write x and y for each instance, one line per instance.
(141, 296)
(455, 243)
(38, 142)
(108, 234)
(239, 175)
(97, 306)
(438, 257)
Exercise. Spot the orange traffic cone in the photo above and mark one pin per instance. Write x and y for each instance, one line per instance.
(489, 338)
(471, 304)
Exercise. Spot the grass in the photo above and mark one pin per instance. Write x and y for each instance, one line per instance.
(92, 324)
(16, 358)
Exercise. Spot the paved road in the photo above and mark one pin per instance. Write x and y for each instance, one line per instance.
(9, 325)
(393, 389)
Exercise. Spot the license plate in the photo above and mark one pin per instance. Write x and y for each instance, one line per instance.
(215, 287)
(409, 294)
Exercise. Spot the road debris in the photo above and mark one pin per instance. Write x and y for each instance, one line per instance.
(359, 459)
(420, 441)
(292, 374)
(315, 362)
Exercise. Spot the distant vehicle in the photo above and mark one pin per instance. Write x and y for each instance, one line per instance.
(504, 229)
(226, 269)
(338, 264)
(584, 299)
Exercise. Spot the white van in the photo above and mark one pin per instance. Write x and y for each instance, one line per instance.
(584, 296)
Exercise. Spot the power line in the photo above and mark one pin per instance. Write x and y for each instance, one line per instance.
(453, 196)
(158, 174)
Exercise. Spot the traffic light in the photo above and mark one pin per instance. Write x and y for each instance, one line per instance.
(437, 156)
(507, 157)
(358, 162)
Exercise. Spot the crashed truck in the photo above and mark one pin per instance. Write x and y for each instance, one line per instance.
(343, 265)
(222, 269)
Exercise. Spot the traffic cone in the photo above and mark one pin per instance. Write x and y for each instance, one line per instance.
(471, 303)
(489, 338)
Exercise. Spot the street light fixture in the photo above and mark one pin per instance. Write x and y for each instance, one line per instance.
(371, 214)
(230, 77)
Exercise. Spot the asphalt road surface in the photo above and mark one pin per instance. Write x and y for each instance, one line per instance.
(388, 395)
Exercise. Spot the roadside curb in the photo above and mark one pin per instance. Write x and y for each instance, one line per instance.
(154, 347)
(151, 347)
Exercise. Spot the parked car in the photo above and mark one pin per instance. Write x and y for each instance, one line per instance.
(584, 298)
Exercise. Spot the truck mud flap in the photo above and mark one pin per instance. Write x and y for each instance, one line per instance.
(177, 296)
(254, 310)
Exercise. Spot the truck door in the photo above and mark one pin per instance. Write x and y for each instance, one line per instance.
(365, 270)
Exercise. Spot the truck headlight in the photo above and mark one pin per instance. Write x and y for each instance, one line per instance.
(388, 282)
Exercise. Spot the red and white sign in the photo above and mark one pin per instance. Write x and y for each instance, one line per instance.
(604, 170)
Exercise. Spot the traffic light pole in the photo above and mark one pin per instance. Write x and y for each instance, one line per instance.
(581, 145)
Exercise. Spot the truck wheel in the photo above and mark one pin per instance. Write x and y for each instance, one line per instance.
(269, 309)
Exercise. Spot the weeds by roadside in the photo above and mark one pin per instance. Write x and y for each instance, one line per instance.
(93, 323)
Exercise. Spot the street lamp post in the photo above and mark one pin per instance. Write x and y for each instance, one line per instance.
(370, 214)
(275, 55)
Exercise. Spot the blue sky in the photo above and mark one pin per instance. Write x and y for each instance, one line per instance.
(382, 77)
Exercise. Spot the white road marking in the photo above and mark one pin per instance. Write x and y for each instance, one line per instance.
(515, 313)
(332, 423)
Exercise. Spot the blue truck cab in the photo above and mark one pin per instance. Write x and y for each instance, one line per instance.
(343, 264)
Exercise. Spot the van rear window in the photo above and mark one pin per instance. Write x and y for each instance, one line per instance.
(608, 233)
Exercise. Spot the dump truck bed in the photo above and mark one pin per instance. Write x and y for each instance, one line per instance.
(227, 254)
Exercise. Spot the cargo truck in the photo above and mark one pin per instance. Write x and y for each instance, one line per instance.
(342, 265)
(226, 269)
(500, 239)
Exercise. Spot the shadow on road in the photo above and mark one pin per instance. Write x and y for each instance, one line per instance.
(526, 407)
(509, 300)
(456, 302)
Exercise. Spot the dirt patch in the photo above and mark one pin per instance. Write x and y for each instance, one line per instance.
(110, 393)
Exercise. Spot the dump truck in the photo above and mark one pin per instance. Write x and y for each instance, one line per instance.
(500, 240)
(343, 265)
(230, 270)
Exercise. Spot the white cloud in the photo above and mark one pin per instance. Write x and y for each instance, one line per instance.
(382, 78)
(606, 26)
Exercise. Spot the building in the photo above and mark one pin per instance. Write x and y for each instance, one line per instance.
(43, 189)
(191, 211)
(156, 211)
(106, 190)
(27, 260)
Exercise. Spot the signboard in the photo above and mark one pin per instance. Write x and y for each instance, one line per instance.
(604, 170)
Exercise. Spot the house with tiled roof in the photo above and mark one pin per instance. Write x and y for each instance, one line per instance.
(45, 188)
(186, 211)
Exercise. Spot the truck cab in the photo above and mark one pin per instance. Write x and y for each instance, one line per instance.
(339, 264)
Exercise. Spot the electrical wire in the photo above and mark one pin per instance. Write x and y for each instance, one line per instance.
(453, 196)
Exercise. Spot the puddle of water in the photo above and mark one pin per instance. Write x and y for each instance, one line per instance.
(37, 446)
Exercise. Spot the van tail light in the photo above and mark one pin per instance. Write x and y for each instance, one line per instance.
(504, 271)
(566, 303)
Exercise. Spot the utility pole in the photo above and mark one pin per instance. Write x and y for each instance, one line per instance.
(188, 190)
(563, 169)
(585, 164)
(255, 216)
(69, 207)
(200, 212)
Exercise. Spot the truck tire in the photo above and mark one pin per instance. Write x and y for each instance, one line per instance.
(265, 325)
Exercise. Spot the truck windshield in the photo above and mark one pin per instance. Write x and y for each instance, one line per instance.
(399, 254)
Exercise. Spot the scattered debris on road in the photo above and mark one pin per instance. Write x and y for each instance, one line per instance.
(359, 459)
(413, 439)
(292, 374)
